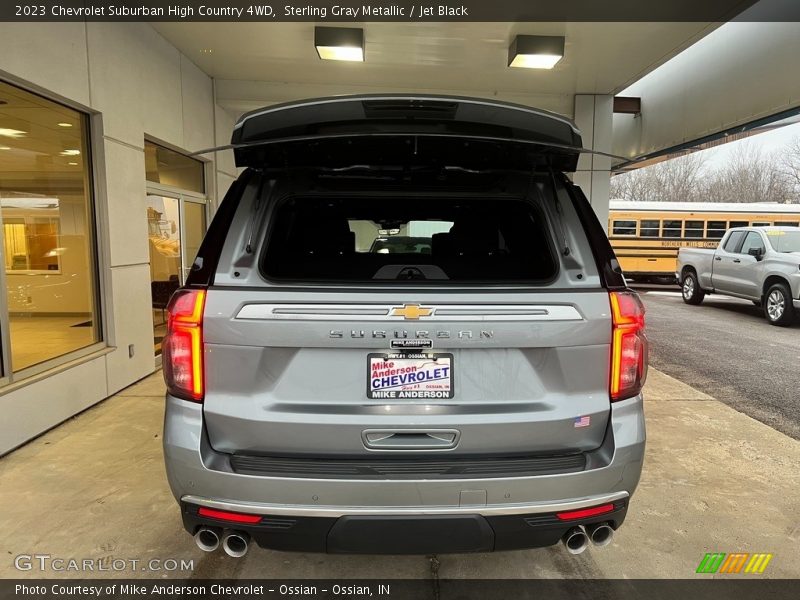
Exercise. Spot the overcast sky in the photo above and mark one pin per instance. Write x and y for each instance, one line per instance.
(768, 142)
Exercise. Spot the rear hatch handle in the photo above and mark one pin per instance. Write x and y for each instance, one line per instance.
(408, 439)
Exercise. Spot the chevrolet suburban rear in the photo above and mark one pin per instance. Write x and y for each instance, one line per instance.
(473, 385)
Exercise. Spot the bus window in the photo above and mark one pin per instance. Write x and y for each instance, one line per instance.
(648, 228)
(738, 224)
(671, 229)
(761, 224)
(716, 229)
(694, 229)
(623, 228)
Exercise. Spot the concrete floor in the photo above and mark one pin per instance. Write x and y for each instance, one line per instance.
(714, 480)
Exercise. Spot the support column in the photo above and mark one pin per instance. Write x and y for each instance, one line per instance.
(593, 116)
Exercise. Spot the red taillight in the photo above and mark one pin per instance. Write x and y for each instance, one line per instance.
(182, 347)
(584, 513)
(628, 346)
(224, 515)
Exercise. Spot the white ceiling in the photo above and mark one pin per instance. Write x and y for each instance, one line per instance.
(35, 159)
(261, 63)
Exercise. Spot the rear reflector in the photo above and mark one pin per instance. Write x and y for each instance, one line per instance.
(628, 346)
(182, 346)
(584, 513)
(224, 515)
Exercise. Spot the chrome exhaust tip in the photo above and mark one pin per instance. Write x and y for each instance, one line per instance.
(600, 534)
(575, 540)
(206, 539)
(235, 543)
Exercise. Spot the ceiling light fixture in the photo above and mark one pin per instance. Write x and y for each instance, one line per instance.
(70, 152)
(12, 133)
(536, 51)
(339, 43)
(5, 147)
(72, 164)
(65, 124)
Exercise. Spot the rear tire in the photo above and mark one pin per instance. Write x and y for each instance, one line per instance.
(691, 292)
(778, 307)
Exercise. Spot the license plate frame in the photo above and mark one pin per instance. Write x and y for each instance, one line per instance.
(435, 386)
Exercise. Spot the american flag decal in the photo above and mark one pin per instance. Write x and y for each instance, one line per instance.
(583, 421)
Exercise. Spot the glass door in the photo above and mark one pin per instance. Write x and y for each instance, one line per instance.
(194, 228)
(164, 242)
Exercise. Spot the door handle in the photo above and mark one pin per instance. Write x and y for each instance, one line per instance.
(419, 439)
(717, 258)
(736, 260)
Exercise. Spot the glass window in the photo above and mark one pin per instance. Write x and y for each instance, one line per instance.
(753, 241)
(716, 230)
(447, 240)
(694, 229)
(174, 169)
(738, 224)
(414, 237)
(784, 241)
(733, 241)
(164, 243)
(790, 224)
(623, 228)
(47, 228)
(761, 223)
(648, 228)
(194, 226)
(671, 229)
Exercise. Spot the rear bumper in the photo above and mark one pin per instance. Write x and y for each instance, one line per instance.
(489, 513)
(467, 530)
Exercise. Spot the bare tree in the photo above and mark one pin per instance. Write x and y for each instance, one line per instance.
(790, 165)
(677, 179)
(751, 175)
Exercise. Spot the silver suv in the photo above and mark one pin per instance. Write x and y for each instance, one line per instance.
(477, 390)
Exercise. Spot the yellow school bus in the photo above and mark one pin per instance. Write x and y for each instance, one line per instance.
(646, 235)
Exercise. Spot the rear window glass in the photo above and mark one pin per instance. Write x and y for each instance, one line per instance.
(380, 239)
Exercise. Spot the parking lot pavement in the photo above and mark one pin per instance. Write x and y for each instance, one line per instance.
(726, 348)
(714, 480)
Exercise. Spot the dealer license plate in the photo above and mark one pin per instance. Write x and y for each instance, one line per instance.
(409, 375)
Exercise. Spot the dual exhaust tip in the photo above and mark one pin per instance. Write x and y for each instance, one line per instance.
(235, 543)
(577, 539)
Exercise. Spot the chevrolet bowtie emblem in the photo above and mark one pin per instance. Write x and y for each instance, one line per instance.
(411, 312)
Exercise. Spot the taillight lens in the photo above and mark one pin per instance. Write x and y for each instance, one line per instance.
(182, 347)
(585, 513)
(628, 346)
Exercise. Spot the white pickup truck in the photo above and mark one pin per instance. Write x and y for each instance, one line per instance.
(761, 264)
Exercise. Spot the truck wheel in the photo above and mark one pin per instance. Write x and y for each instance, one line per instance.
(778, 307)
(690, 289)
